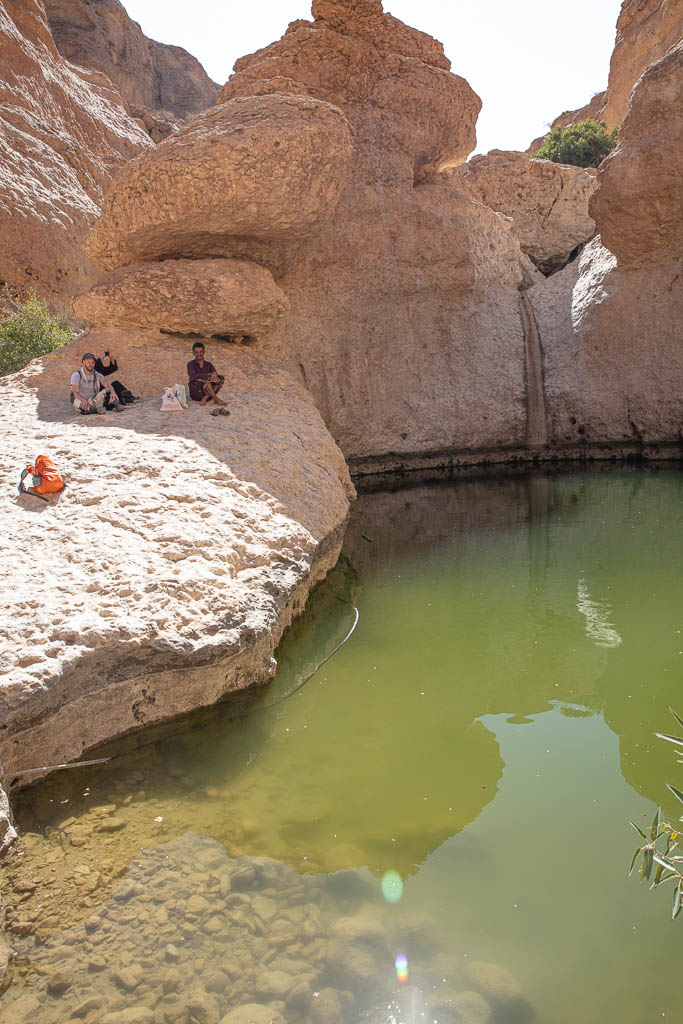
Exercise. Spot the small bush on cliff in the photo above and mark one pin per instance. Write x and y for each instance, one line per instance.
(28, 329)
(584, 144)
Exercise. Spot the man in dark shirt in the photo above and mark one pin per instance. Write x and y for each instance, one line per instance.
(205, 383)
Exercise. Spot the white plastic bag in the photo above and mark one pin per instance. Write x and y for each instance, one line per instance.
(169, 402)
(179, 391)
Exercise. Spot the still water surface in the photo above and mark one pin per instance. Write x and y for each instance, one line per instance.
(486, 732)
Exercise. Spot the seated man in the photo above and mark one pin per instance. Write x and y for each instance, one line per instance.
(89, 393)
(205, 383)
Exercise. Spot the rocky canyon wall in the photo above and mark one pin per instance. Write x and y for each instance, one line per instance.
(151, 75)
(610, 323)
(65, 128)
(64, 132)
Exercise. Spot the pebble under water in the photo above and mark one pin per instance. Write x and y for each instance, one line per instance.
(433, 828)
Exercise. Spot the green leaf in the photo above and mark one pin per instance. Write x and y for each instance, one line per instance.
(655, 826)
(667, 877)
(648, 860)
(677, 717)
(676, 908)
(633, 862)
(676, 792)
(637, 828)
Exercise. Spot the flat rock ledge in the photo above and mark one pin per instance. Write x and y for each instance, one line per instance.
(162, 577)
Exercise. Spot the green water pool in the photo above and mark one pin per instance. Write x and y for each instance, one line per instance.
(485, 732)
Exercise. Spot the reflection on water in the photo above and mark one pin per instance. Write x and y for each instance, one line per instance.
(482, 735)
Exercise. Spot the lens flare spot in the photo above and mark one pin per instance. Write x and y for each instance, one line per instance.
(401, 964)
(392, 886)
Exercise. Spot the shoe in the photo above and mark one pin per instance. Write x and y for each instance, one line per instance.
(118, 407)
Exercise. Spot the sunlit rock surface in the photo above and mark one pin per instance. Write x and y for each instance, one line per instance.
(148, 74)
(180, 548)
(638, 203)
(406, 300)
(548, 202)
(64, 131)
(610, 323)
(263, 167)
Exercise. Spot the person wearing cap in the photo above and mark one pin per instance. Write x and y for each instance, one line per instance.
(89, 393)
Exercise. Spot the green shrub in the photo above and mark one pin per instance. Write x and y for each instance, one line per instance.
(28, 329)
(666, 862)
(584, 144)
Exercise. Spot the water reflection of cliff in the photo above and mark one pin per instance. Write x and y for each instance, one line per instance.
(587, 574)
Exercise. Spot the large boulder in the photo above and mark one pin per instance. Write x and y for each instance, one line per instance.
(178, 552)
(269, 167)
(638, 202)
(148, 74)
(204, 297)
(404, 313)
(547, 202)
(63, 132)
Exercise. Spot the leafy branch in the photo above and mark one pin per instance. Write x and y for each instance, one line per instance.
(662, 858)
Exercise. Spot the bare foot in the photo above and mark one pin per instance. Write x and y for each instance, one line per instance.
(219, 401)
(205, 400)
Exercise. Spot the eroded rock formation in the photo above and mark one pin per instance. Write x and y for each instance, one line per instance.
(149, 75)
(64, 132)
(548, 202)
(610, 323)
(205, 297)
(395, 329)
(264, 167)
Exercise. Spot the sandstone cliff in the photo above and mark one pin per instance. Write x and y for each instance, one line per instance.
(610, 323)
(64, 132)
(148, 74)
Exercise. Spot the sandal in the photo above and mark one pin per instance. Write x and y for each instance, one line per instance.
(222, 411)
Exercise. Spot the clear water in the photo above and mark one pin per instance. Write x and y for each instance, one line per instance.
(486, 732)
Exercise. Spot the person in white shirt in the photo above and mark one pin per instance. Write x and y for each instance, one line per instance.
(89, 393)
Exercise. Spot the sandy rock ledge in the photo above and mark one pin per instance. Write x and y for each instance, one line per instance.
(162, 577)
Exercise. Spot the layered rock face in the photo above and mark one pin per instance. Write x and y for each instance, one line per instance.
(178, 552)
(548, 202)
(148, 74)
(64, 132)
(610, 323)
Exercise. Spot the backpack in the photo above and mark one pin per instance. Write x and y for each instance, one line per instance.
(41, 479)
